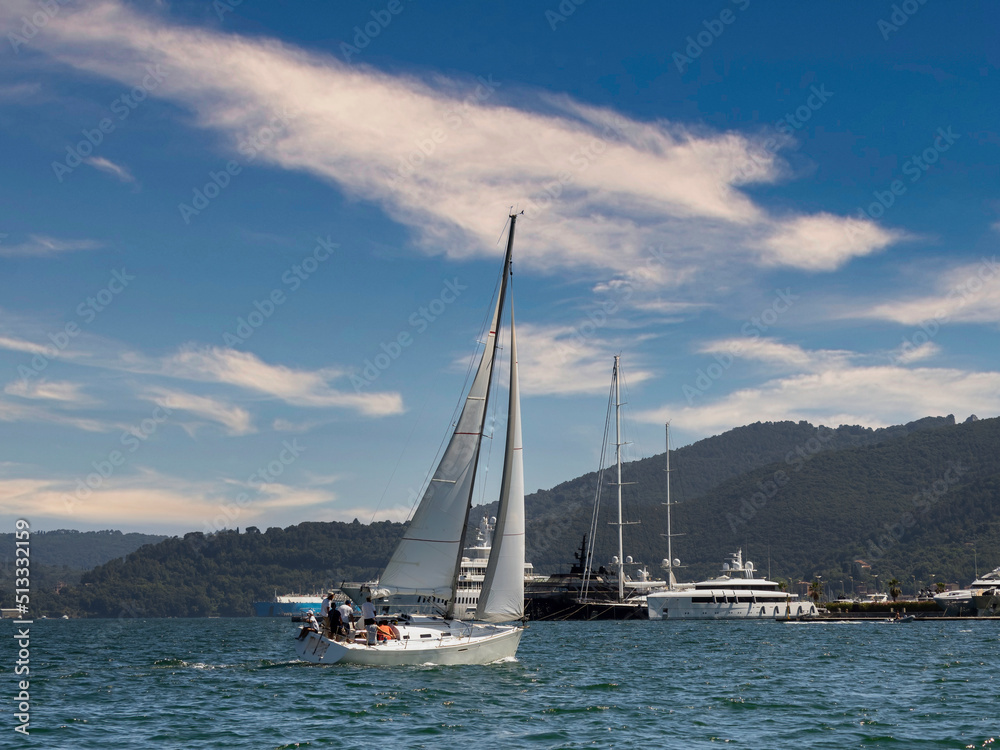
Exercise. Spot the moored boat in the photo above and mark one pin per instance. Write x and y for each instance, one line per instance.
(734, 594)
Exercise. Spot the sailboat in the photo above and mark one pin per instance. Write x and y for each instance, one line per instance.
(618, 595)
(427, 560)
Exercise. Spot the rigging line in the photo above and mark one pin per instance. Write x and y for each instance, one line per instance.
(495, 381)
(588, 563)
(473, 364)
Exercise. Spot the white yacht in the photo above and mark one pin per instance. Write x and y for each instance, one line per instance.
(982, 597)
(471, 575)
(734, 594)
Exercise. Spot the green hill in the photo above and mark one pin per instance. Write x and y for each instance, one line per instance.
(78, 550)
(911, 502)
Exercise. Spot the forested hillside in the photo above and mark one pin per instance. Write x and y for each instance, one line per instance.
(79, 550)
(223, 574)
(917, 502)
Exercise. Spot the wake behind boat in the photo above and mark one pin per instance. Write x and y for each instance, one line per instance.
(427, 560)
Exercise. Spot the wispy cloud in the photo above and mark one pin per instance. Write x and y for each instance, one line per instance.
(589, 178)
(296, 387)
(969, 293)
(70, 393)
(106, 165)
(41, 246)
(563, 360)
(834, 387)
(236, 420)
(149, 499)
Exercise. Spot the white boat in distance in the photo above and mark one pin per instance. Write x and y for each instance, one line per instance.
(471, 576)
(734, 594)
(982, 598)
(427, 560)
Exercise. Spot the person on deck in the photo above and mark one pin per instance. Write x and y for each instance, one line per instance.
(346, 615)
(324, 612)
(368, 612)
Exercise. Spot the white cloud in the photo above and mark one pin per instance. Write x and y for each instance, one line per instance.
(70, 393)
(148, 499)
(444, 156)
(563, 360)
(824, 242)
(106, 165)
(296, 387)
(42, 246)
(831, 387)
(236, 420)
(969, 293)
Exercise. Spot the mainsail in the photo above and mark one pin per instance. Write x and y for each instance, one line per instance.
(426, 560)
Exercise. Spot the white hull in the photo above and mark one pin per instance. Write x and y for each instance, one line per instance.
(426, 641)
(682, 608)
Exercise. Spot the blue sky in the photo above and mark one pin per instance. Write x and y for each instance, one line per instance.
(214, 219)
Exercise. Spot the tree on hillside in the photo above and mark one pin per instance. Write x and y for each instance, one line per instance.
(894, 589)
(816, 590)
(940, 587)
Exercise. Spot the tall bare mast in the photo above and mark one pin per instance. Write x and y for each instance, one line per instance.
(618, 461)
(671, 582)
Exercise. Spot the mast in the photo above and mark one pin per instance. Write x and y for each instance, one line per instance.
(450, 613)
(618, 462)
(671, 582)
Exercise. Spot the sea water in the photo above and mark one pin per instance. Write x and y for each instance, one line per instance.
(236, 683)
